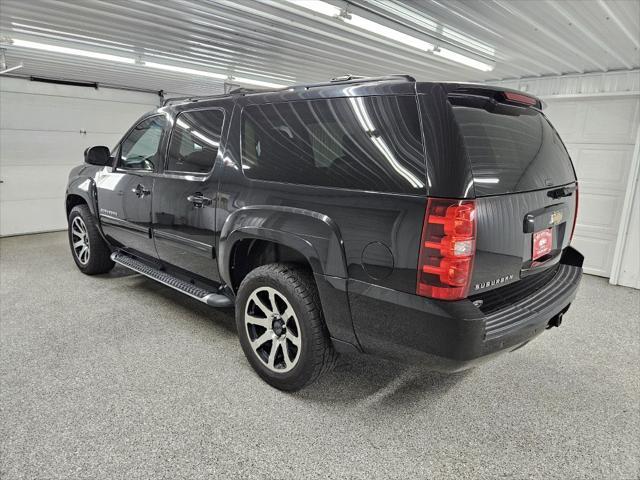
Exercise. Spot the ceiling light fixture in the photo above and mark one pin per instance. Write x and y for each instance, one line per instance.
(459, 58)
(160, 66)
(71, 51)
(188, 71)
(390, 33)
(319, 6)
(220, 76)
(349, 17)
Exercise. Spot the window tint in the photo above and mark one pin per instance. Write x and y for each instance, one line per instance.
(195, 140)
(511, 149)
(367, 143)
(140, 149)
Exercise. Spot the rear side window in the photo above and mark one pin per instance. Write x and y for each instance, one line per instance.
(195, 141)
(365, 143)
(511, 149)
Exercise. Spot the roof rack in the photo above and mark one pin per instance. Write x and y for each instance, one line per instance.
(247, 91)
(356, 79)
(174, 100)
(334, 81)
(235, 91)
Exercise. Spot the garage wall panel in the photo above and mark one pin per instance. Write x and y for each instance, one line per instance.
(24, 185)
(32, 216)
(600, 136)
(591, 158)
(44, 130)
(27, 147)
(36, 113)
(608, 121)
(589, 120)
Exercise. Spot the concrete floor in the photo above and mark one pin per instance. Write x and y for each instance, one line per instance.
(119, 377)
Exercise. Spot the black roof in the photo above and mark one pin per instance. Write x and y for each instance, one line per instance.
(348, 85)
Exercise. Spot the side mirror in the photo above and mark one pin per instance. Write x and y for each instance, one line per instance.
(100, 156)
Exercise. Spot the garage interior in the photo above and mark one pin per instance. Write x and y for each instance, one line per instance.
(115, 376)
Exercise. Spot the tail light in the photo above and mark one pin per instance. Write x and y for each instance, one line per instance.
(575, 216)
(447, 249)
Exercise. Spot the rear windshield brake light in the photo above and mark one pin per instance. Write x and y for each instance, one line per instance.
(520, 98)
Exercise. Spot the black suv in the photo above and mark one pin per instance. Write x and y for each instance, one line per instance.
(425, 222)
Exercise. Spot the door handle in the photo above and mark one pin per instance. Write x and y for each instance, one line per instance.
(199, 200)
(141, 191)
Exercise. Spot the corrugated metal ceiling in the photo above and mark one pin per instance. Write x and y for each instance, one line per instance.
(278, 41)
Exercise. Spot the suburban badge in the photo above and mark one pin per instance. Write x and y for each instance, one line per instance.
(491, 283)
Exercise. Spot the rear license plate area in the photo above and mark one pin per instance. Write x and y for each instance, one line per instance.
(542, 243)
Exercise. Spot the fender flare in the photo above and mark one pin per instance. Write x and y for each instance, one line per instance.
(321, 244)
(317, 238)
(84, 187)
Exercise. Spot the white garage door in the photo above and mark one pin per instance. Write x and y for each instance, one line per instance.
(600, 135)
(44, 129)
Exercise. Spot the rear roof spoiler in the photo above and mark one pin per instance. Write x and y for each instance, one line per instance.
(502, 95)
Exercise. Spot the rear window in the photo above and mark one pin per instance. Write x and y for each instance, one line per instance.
(195, 141)
(365, 143)
(511, 149)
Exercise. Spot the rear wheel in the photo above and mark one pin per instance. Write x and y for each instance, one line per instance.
(89, 250)
(280, 325)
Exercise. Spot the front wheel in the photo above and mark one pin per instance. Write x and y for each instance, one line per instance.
(280, 325)
(90, 252)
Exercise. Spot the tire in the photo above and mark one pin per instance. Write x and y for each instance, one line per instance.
(296, 324)
(83, 232)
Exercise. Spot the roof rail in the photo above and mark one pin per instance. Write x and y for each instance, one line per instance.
(174, 100)
(236, 91)
(248, 91)
(334, 81)
(356, 79)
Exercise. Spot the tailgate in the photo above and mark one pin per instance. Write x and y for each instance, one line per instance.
(507, 225)
(524, 184)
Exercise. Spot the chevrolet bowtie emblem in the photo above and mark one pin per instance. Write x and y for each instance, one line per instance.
(556, 218)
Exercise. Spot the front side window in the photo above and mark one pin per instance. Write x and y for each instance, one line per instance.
(364, 143)
(195, 141)
(140, 150)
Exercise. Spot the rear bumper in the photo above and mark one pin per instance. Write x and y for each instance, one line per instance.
(451, 336)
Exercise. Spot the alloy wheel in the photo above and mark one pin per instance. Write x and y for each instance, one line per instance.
(273, 329)
(80, 240)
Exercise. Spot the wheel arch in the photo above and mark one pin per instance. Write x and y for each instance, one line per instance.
(73, 200)
(81, 190)
(312, 235)
(299, 236)
(250, 251)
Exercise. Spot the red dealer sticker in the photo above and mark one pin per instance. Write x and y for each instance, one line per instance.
(542, 243)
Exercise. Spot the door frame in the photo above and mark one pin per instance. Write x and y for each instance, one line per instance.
(227, 107)
(625, 216)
